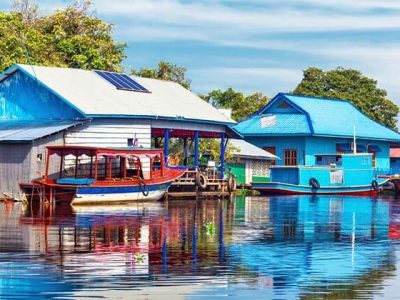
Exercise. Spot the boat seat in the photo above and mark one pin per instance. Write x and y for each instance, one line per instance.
(75, 181)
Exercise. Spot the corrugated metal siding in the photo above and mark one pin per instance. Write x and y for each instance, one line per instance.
(19, 162)
(114, 134)
(15, 164)
(38, 167)
(109, 133)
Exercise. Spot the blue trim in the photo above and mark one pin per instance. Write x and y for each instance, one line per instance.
(319, 135)
(166, 145)
(196, 148)
(273, 187)
(178, 167)
(93, 190)
(75, 181)
(153, 117)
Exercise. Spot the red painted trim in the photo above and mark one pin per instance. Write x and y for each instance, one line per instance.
(273, 191)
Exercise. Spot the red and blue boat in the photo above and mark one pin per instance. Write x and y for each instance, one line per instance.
(340, 174)
(91, 175)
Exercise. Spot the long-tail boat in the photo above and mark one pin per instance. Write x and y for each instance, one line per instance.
(90, 175)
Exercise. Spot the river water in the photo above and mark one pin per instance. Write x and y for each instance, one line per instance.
(255, 247)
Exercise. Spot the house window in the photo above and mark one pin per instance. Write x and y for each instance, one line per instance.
(272, 150)
(373, 159)
(290, 157)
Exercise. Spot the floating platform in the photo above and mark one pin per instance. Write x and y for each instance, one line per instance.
(192, 185)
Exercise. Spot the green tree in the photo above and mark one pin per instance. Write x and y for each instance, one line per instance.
(69, 37)
(351, 85)
(165, 71)
(241, 105)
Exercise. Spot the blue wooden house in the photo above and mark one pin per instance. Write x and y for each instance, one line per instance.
(42, 106)
(296, 128)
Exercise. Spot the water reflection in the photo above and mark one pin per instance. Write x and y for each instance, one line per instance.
(286, 247)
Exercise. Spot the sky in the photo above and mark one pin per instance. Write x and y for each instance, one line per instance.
(255, 45)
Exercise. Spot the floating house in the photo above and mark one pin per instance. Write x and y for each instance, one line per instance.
(41, 106)
(250, 163)
(395, 159)
(297, 128)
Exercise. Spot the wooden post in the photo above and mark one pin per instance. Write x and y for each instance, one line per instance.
(76, 163)
(105, 166)
(109, 168)
(96, 165)
(185, 152)
(166, 145)
(124, 167)
(162, 165)
(47, 164)
(196, 149)
(91, 164)
(222, 156)
(61, 163)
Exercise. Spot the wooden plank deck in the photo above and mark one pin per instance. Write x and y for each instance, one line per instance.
(186, 187)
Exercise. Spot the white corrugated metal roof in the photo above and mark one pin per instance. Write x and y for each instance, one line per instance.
(250, 151)
(24, 131)
(94, 96)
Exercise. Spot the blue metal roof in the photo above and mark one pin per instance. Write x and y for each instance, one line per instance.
(322, 117)
(286, 124)
(26, 131)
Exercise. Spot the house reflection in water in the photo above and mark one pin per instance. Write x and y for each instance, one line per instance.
(298, 245)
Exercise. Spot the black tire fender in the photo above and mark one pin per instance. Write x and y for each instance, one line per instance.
(314, 183)
(231, 183)
(201, 180)
(374, 185)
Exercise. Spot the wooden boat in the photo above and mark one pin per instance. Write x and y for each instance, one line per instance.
(341, 174)
(90, 175)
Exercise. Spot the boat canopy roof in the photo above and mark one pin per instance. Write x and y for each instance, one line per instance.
(96, 151)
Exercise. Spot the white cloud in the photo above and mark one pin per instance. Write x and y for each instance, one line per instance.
(215, 16)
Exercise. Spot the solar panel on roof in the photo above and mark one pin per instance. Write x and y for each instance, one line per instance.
(122, 81)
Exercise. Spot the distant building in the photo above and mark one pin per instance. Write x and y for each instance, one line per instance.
(250, 163)
(395, 160)
(42, 106)
(296, 128)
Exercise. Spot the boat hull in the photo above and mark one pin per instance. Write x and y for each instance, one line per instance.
(278, 188)
(119, 194)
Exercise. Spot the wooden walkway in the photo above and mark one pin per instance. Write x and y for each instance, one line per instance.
(188, 186)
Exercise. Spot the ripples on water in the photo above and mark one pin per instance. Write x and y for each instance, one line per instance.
(258, 247)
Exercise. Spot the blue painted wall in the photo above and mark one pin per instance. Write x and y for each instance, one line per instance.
(395, 166)
(356, 170)
(22, 98)
(319, 145)
(307, 147)
(281, 143)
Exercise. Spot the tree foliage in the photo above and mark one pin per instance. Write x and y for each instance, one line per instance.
(69, 37)
(351, 85)
(165, 71)
(241, 105)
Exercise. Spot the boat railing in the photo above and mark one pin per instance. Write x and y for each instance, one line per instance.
(386, 172)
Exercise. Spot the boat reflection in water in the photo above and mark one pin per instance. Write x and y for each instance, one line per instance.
(255, 247)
